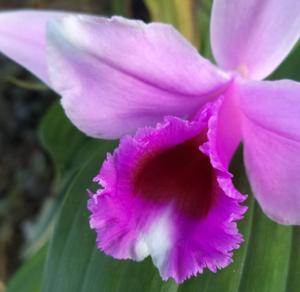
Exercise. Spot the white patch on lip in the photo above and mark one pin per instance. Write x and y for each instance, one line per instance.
(156, 241)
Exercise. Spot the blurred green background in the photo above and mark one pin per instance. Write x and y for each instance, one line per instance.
(46, 165)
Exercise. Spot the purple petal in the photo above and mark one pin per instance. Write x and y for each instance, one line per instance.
(23, 37)
(271, 131)
(227, 126)
(162, 197)
(116, 75)
(254, 36)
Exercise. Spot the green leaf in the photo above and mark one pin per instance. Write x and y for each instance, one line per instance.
(67, 146)
(121, 7)
(29, 276)
(181, 14)
(289, 69)
(30, 85)
(203, 16)
(69, 149)
(293, 277)
(267, 261)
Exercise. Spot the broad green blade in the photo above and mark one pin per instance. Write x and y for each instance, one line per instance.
(289, 69)
(293, 277)
(29, 276)
(67, 146)
(267, 261)
(69, 150)
(121, 7)
(181, 14)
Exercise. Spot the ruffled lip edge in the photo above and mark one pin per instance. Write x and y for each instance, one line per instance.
(209, 113)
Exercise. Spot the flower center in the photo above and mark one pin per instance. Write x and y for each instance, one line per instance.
(182, 174)
(243, 70)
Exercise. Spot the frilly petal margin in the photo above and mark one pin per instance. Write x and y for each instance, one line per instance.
(182, 234)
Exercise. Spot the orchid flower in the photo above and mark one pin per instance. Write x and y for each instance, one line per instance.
(166, 190)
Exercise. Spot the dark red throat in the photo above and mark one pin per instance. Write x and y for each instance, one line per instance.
(182, 174)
